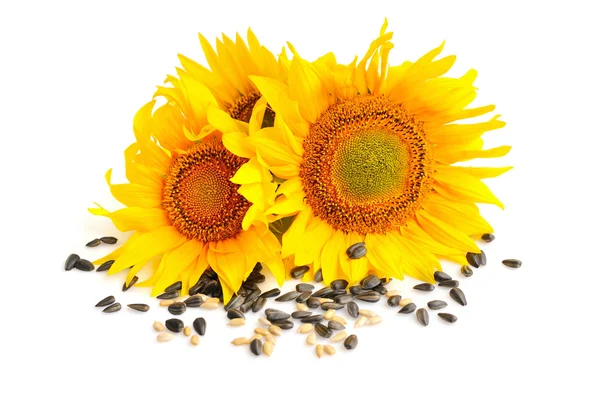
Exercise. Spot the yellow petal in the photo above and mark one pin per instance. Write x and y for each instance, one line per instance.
(177, 261)
(134, 195)
(445, 233)
(134, 218)
(296, 232)
(308, 249)
(477, 172)
(330, 257)
(455, 185)
(355, 269)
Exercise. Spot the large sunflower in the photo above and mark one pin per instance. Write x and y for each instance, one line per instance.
(182, 198)
(367, 151)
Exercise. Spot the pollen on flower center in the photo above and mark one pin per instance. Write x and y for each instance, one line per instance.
(244, 105)
(198, 197)
(366, 165)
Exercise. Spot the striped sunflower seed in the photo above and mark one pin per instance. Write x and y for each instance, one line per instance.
(256, 346)
(488, 238)
(437, 304)
(199, 325)
(106, 301)
(112, 308)
(298, 272)
(84, 265)
(466, 271)
(451, 283)
(71, 260)
(424, 287)
(168, 295)
(173, 287)
(351, 342)
(318, 276)
(127, 286)
(109, 240)
(408, 308)
(476, 259)
(335, 325)
(450, 318)
(139, 307)
(93, 243)
(323, 330)
(423, 316)
(356, 250)
(352, 309)
(288, 296)
(105, 266)
(440, 276)
(177, 308)
(512, 263)
(457, 295)
(174, 325)
(193, 301)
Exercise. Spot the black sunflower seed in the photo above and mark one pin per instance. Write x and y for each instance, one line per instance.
(357, 250)
(175, 325)
(256, 346)
(301, 314)
(338, 284)
(112, 308)
(258, 304)
(335, 293)
(298, 272)
(235, 302)
(233, 313)
(302, 297)
(448, 317)
(258, 267)
(199, 325)
(249, 285)
(424, 287)
(246, 306)
(352, 309)
(277, 316)
(105, 266)
(127, 286)
(512, 263)
(323, 291)
(380, 289)
(168, 295)
(71, 261)
(394, 301)
(385, 281)
(488, 238)
(93, 243)
(323, 330)
(437, 304)
(351, 342)
(466, 271)
(109, 240)
(211, 274)
(139, 307)
(331, 306)
(84, 265)
(173, 287)
(371, 297)
(258, 278)
(289, 296)
(106, 301)
(253, 295)
(285, 324)
(356, 290)
(210, 287)
(343, 298)
(271, 293)
(423, 316)
(476, 259)
(193, 301)
(304, 287)
(196, 288)
(313, 302)
(312, 319)
(319, 276)
(440, 276)
(451, 283)
(369, 282)
(177, 308)
(335, 325)
(457, 295)
(408, 308)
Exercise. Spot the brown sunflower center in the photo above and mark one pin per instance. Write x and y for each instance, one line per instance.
(198, 197)
(366, 165)
(243, 106)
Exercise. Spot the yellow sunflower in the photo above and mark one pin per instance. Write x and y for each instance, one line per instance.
(367, 151)
(182, 197)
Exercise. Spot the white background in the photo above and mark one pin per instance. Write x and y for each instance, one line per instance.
(73, 75)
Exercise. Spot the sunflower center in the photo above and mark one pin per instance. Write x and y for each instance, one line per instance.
(198, 197)
(244, 105)
(366, 165)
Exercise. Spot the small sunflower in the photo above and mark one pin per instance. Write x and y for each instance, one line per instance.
(366, 152)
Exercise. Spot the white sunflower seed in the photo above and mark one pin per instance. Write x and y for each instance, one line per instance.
(361, 321)
(306, 328)
(319, 350)
(339, 336)
(162, 337)
(311, 339)
(329, 349)
(158, 326)
(240, 341)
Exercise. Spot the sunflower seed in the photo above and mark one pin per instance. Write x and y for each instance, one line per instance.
(335, 293)
(512, 263)
(277, 316)
(139, 307)
(234, 303)
(306, 328)
(394, 301)
(361, 321)
(288, 296)
(264, 321)
(301, 307)
(284, 324)
(199, 325)
(158, 326)
(269, 337)
(267, 348)
(313, 302)
(451, 283)
(356, 290)
(367, 313)
(168, 295)
(177, 308)
(173, 287)
(380, 289)
(106, 301)
(311, 339)
(255, 337)
(329, 314)
(132, 282)
(404, 302)
(371, 297)
(300, 314)
(312, 319)
(323, 330)
(298, 272)
(319, 350)
(112, 308)
(93, 243)
(271, 293)
(423, 316)
(84, 265)
(351, 342)
(322, 292)
(195, 339)
(256, 346)
(339, 319)
(256, 278)
(70, 262)
(466, 271)
(163, 337)
(488, 238)
(233, 314)
(369, 282)
(187, 331)
(352, 309)
(304, 287)
(331, 306)
(166, 303)
(408, 308)
(240, 341)
(424, 287)
(105, 266)
(302, 297)
(437, 304)
(209, 305)
(193, 301)
(476, 259)
(237, 322)
(275, 330)
(109, 240)
(440, 276)
(319, 276)
(374, 320)
(457, 295)
(253, 295)
(385, 281)
(357, 250)
(174, 325)
(448, 317)
(196, 288)
(343, 298)
(335, 325)
(258, 304)
(338, 284)
(261, 331)
(210, 287)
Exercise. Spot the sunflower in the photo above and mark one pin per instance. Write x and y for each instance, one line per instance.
(367, 154)
(183, 201)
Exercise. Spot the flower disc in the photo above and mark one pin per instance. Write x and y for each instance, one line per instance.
(198, 197)
(244, 105)
(366, 165)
